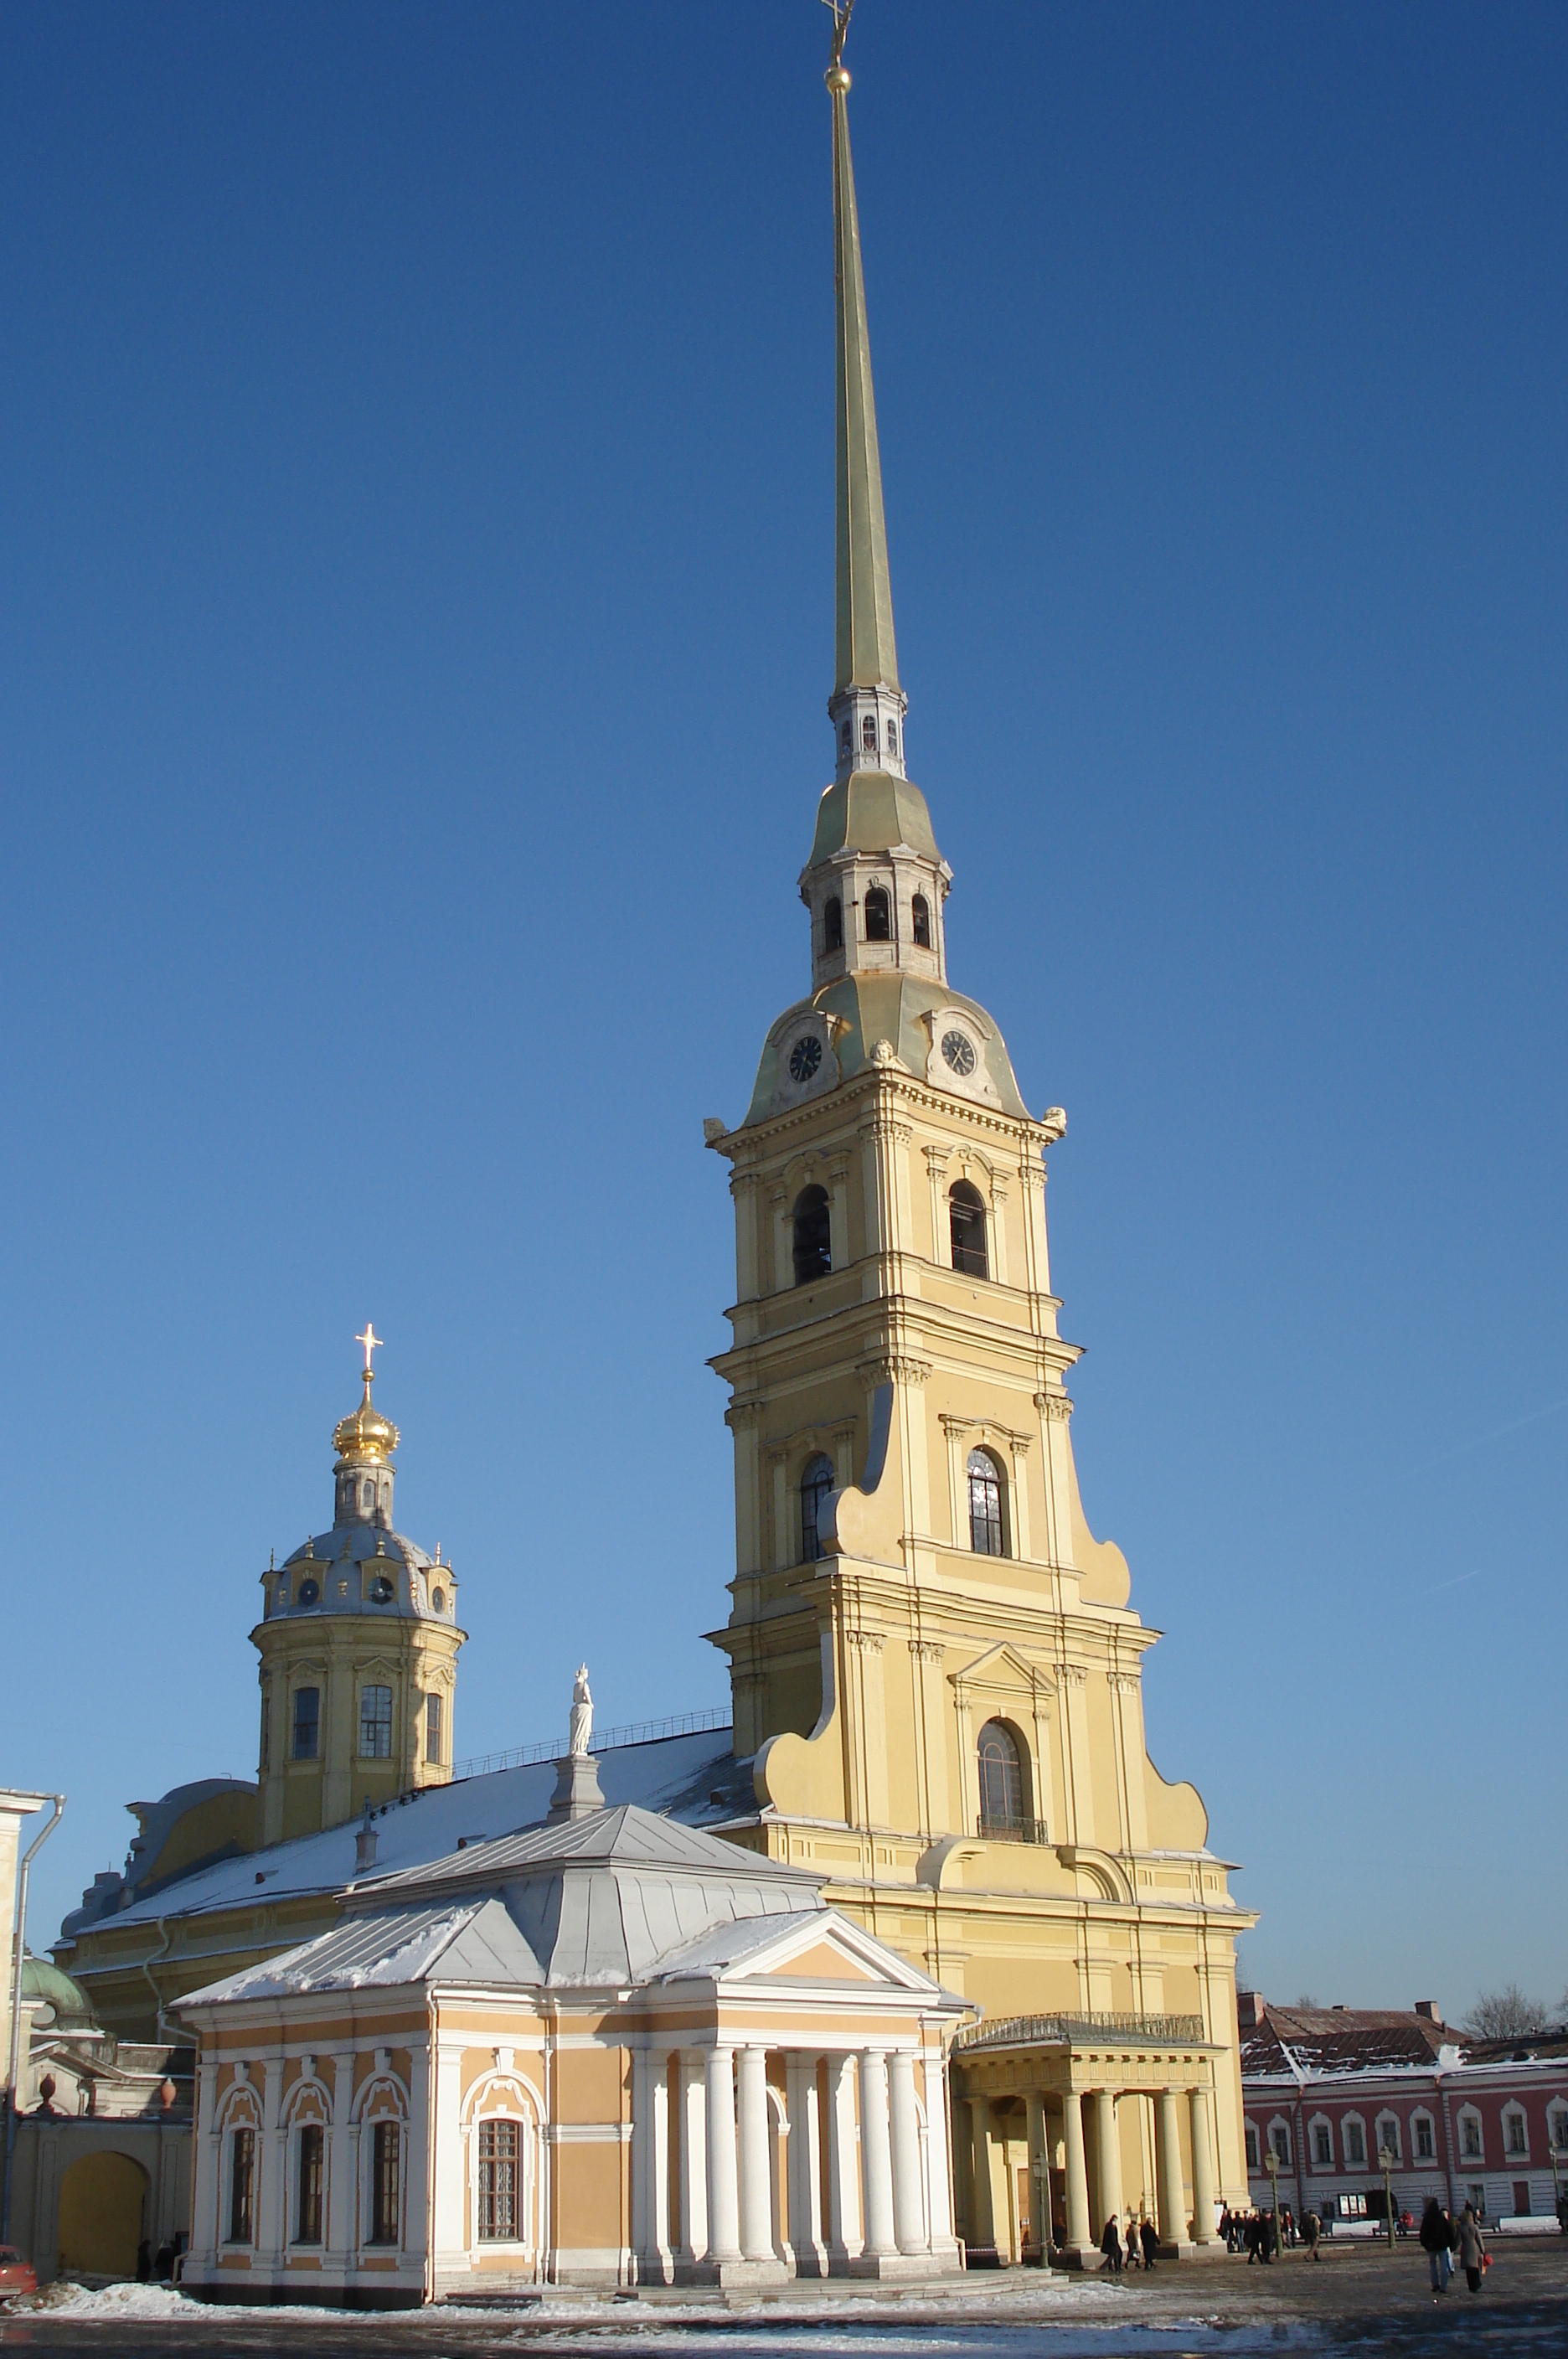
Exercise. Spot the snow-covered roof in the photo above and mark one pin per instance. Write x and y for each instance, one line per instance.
(474, 1944)
(673, 1775)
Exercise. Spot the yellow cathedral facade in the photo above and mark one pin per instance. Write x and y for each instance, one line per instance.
(946, 1968)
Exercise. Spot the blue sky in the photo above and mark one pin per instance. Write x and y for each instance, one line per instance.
(416, 567)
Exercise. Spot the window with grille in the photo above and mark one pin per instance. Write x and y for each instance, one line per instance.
(1355, 2143)
(500, 2182)
(1470, 2135)
(307, 1723)
(879, 915)
(816, 1483)
(868, 733)
(813, 1235)
(1323, 2145)
(1557, 2131)
(1517, 2142)
(376, 1723)
(1279, 2145)
(967, 1226)
(1389, 2138)
(385, 2160)
(984, 1504)
(307, 2219)
(1424, 2146)
(892, 737)
(1001, 1772)
(432, 1728)
(242, 2187)
(919, 912)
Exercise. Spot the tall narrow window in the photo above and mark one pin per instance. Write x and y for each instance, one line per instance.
(376, 1723)
(1001, 1781)
(879, 915)
(385, 2158)
(1323, 2145)
(500, 2192)
(920, 911)
(816, 1483)
(832, 923)
(266, 1726)
(813, 1235)
(1421, 2126)
(308, 2222)
(432, 1728)
(307, 1723)
(242, 2187)
(845, 739)
(892, 737)
(868, 733)
(984, 1504)
(967, 1226)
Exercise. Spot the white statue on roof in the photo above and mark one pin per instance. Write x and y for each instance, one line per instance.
(582, 1715)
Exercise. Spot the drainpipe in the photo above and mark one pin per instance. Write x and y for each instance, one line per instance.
(19, 1950)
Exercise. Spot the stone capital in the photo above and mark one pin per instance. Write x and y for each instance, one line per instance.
(1058, 1406)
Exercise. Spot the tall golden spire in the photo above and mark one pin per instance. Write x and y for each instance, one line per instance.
(866, 654)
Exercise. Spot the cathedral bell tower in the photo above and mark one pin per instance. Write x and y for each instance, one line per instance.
(936, 1671)
(358, 1641)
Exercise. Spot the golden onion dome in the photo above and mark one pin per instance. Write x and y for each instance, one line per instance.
(366, 1439)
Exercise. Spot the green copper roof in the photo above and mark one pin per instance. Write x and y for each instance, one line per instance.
(871, 810)
(865, 654)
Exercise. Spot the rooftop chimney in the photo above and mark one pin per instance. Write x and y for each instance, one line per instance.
(364, 1845)
(1428, 2006)
(1250, 2008)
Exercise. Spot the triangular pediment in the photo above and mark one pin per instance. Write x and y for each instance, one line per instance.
(1002, 1669)
(827, 1948)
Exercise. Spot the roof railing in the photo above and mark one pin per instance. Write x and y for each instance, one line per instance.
(605, 1740)
(1040, 2030)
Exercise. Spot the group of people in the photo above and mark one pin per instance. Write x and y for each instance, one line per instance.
(1259, 2234)
(1142, 2244)
(1443, 2238)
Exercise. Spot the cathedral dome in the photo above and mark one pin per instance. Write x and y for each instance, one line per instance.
(366, 1438)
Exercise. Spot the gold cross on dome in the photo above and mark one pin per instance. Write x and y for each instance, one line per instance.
(371, 1342)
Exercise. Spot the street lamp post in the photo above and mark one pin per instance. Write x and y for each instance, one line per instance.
(1557, 2154)
(1387, 2160)
(1271, 2164)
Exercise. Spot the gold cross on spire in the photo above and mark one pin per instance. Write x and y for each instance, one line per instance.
(371, 1342)
(842, 12)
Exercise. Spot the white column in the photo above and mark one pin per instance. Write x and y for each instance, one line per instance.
(1167, 2169)
(1080, 2236)
(1108, 2159)
(650, 2166)
(452, 2225)
(418, 2178)
(755, 2180)
(876, 2157)
(805, 2152)
(693, 2160)
(723, 2229)
(1202, 2171)
(340, 2190)
(206, 2164)
(938, 2193)
(982, 2221)
(904, 2127)
(269, 2220)
(844, 2188)
(1039, 2172)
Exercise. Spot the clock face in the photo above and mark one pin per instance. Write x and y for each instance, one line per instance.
(959, 1053)
(805, 1057)
(310, 1593)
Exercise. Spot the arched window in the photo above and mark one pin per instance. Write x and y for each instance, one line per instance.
(919, 909)
(500, 2182)
(1001, 1781)
(984, 1504)
(813, 1235)
(868, 733)
(832, 923)
(967, 1214)
(892, 737)
(816, 1482)
(845, 739)
(878, 916)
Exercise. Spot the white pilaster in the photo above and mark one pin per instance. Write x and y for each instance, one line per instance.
(756, 2189)
(450, 2222)
(650, 2168)
(844, 2191)
(805, 2152)
(723, 2222)
(693, 2159)
(904, 2133)
(1202, 2171)
(876, 2157)
(1080, 2236)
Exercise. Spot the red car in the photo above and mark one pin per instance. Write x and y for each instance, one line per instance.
(17, 2275)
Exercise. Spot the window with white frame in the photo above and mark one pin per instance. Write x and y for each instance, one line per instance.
(1389, 2138)
(1322, 2145)
(1422, 2137)
(1557, 2128)
(1354, 2141)
(1252, 2157)
(500, 2190)
(1279, 2142)
(1516, 2134)
(1470, 2145)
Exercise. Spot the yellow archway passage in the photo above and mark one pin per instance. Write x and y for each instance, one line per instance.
(102, 2199)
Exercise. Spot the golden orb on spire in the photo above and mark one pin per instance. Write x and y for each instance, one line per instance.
(366, 1438)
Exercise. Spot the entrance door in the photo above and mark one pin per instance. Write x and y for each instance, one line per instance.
(1521, 2199)
(102, 2199)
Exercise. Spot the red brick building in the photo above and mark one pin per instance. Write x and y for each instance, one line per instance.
(1328, 2090)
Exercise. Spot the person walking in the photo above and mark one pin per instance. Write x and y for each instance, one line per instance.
(1472, 2248)
(1314, 2227)
(1254, 2236)
(1134, 2257)
(1111, 2245)
(1149, 2235)
(1436, 2241)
